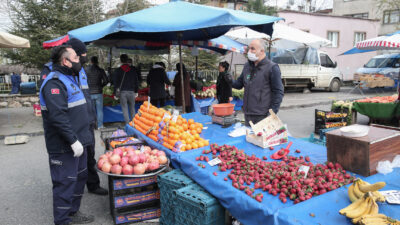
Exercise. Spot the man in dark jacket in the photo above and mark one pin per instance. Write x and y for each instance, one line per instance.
(97, 79)
(261, 79)
(156, 79)
(67, 135)
(93, 180)
(127, 81)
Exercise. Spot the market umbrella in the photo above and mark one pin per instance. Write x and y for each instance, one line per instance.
(11, 41)
(283, 37)
(174, 21)
(388, 42)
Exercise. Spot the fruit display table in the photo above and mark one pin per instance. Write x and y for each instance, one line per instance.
(322, 209)
(378, 110)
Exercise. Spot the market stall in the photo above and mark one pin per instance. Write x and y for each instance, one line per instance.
(271, 210)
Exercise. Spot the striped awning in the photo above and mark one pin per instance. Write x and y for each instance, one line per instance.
(380, 43)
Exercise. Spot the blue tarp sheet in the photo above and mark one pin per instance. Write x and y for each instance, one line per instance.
(161, 23)
(271, 210)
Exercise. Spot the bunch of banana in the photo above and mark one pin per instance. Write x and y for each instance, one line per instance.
(360, 187)
(378, 219)
(365, 205)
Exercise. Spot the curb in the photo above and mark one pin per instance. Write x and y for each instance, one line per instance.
(313, 104)
(32, 134)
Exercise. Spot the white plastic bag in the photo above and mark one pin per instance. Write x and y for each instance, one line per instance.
(396, 161)
(384, 167)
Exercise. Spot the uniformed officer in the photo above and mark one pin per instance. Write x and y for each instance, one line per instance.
(93, 181)
(67, 134)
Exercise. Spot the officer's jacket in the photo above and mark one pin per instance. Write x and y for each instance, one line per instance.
(64, 111)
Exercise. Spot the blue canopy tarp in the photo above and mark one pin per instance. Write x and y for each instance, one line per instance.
(164, 22)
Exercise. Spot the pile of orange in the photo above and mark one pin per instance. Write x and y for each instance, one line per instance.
(178, 135)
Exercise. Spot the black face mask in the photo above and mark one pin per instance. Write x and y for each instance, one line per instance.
(76, 67)
(83, 59)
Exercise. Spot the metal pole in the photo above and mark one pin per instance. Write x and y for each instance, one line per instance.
(181, 71)
(197, 72)
(269, 49)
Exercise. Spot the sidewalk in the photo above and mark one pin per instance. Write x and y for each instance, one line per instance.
(19, 121)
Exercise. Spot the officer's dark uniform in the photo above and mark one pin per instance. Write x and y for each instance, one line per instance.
(93, 181)
(65, 120)
(47, 68)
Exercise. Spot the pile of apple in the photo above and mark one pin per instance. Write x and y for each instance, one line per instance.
(128, 160)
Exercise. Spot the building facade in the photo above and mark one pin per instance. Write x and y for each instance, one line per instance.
(343, 31)
(369, 9)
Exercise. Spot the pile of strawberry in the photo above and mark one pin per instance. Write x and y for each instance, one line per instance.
(277, 177)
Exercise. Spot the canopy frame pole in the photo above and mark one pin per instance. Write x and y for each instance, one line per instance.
(181, 71)
(197, 72)
(110, 63)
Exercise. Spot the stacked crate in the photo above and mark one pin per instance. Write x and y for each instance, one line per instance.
(168, 183)
(326, 119)
(134, 199)
(195, 206)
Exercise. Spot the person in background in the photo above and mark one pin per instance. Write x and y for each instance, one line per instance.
(178, 88)
(67, 135)
(15, 83)
(126, 79)
(224, 83)
(156, 80)
(97, 79)
(261, 79)
(93, 180)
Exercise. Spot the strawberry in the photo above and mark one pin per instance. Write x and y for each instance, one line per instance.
(204, 166)
(265, 157)
(215, 174)
(307, 158)
(197, 158)
(259, 134)
(271, 148)
(259, 198)
(225, 179)
(281, 152)
(297, 151)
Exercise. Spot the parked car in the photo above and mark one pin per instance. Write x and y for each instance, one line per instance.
(387, 65)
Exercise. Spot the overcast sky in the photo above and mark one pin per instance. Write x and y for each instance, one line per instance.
(5, 21)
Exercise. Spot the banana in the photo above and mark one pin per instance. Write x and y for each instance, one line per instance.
(374, 221)
(365, 187)
(373, 210)
(352, 206)
(393, 221)
(378, 196)
(351, 194)
(362, 209)
(356, 189)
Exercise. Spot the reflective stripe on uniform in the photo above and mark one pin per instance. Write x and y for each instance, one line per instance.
(43, 107)
(82, 171)
(77, 103)
(59, 207)
(84, 87)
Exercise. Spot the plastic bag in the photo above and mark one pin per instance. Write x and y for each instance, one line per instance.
(384, 167)
(396, 161)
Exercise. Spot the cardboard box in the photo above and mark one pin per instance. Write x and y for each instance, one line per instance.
(272, 130)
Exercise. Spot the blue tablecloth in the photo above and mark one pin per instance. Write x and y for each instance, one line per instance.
(271, 210)
(201, 103)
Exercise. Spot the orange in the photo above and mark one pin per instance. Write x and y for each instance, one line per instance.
(183, 142)
(193, 132)
(185, 126)
(199, 130)
(183, 148)
(192, 126)
(188, 146)
(176, 136)
(195, 145)
(196, 136)
(163, 132)
(166, 119)
(172, 123)
(190, 121)
(200, 125)
(201, 144)
(206, 143)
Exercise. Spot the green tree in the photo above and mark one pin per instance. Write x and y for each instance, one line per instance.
(44, 20)
(257, 6)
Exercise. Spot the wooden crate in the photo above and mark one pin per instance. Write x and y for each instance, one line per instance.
(361, 155)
